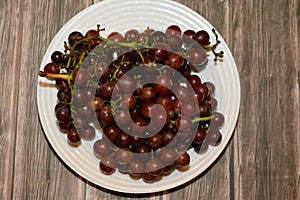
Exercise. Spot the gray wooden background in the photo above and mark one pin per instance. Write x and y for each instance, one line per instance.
(262, 161)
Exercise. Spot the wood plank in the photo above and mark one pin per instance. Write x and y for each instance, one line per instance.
(9, 81)
(38, 172)
(266, 158)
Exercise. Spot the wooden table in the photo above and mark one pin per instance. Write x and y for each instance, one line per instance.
(262, 161)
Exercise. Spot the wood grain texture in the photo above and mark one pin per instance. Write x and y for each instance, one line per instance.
(267, 138)
(262, 161)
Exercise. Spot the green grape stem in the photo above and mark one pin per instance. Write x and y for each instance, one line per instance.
(115, 104)
(114, 77)
(203, 119)
(197, 119)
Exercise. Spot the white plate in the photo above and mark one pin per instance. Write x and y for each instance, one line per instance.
(116, 15)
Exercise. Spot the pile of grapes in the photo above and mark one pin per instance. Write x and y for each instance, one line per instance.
(140, 89)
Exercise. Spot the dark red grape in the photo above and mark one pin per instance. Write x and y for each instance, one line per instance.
(74, 37)
(63, 114)
(59, 105)
(188, 109)
(199, 97)
(52, 68)
(88, 133)
(168, 169)
(57, 57)
(159, 52)
(155, 141)
(107, 89)
(148, 31)
(131, 35)
(101, 72)
(173, 30)
(147, 93)
(217, 120)
(168, 156)
(168, 136)
(116, 37)
(143, 152)
(108, 165)
(187, 37)
(186, 70)
(127, 84)
(157, 37)
(73, 138)
(61, 84)
(63, 96)
(128, 101)
(212, 102)
(201, 89)
(64, 127)
(122, 168)
(105, 115)
(210, 86)
(146, 107)
(184, 136)
(183, 159)
(142, 38)
(214, 137)
(176, 106)
(85, 112)
(159, 116)
(165, 101)
(183, 146)
(79, 97)
(101, 148)
(163, 84)
(202, 37)
(171, 113)
(197, 56)
(148, 178)
(138, 127)
(95, 103)
(136, 141)
(81, 76)
(91, 33)
(80, 122)
(175, 42)
(154, 167)
(136, 167)
(123, 156)
(201, 148)
(194, 80)
(184, 123)
(122, 117)
(182, 94)
(174, 60)
(200, 136)
(204, 110)
(111, 131)
(122, 140)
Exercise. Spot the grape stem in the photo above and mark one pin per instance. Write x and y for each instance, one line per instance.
(197, 119)
(54, 76)
(213, 47)
(115, 104)
(114, 77)
(203, 119)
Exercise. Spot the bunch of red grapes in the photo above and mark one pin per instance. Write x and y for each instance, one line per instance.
(140, 89)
